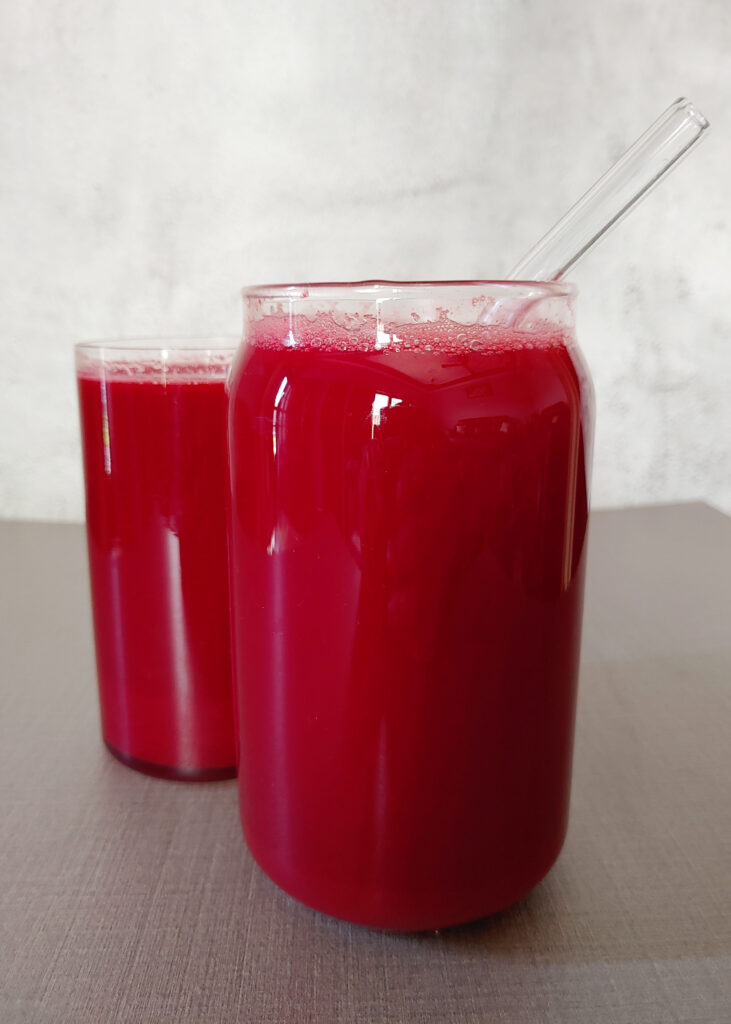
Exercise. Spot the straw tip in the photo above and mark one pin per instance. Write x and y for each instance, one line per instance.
(691, 111)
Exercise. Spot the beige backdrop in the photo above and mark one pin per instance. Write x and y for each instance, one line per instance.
(157, 155)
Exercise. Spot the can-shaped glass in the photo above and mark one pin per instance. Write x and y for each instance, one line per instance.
(153, 426)
(409, 505)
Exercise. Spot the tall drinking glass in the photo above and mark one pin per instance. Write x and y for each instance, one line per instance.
(153, 424)
(409, 469)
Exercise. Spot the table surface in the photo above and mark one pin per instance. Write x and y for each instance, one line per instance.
(127, 898)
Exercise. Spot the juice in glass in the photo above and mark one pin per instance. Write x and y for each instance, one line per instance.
(408, 538)
(153, 423)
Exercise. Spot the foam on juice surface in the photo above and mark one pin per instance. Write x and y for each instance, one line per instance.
(179, 369)
(364, 333)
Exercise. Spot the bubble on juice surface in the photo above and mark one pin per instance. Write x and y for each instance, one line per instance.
(178, 366)
(363, 334)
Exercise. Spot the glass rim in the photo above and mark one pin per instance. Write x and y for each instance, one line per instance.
(382, 289)
(177, 343)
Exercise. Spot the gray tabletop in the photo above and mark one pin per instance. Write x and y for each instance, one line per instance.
(127, 898)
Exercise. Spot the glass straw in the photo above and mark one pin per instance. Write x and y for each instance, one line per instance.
(634, 175)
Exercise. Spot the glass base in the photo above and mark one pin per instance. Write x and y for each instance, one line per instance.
(163, 771)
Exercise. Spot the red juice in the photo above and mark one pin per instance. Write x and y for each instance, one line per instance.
(408, 545)
(155, 462)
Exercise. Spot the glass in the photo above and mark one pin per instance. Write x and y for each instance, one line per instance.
(408, 537)
(153, 425)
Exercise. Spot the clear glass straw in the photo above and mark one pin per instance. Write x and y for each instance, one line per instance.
(628, 181)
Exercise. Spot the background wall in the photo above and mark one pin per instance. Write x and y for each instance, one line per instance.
(157, 154)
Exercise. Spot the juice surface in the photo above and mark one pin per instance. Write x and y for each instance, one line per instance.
(156, 484)
(408, 535)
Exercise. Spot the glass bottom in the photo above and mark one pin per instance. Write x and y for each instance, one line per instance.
(164, 771)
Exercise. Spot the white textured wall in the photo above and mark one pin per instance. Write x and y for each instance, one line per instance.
(157, 154)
